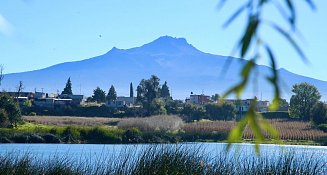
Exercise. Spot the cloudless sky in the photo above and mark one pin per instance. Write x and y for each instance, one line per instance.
(36, 34)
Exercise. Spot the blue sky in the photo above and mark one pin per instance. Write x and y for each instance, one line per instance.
(39, 33)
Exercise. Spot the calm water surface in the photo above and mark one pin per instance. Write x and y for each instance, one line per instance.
(96, 151)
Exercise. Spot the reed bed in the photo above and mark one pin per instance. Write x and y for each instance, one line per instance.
(288, 130)
(161, 123)
(69, 121)
(164, 159)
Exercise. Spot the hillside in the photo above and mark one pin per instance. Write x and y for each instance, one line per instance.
(185, 68)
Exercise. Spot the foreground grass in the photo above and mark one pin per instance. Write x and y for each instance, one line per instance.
(164, 159)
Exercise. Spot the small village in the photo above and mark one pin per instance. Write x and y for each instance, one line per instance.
(52, 101)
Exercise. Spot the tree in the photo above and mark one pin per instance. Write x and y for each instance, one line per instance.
(19, 89)
(3, 118)
(10, 109)
(192, 112)
(215, 97)
(225, 111)
(68, 89)
(99, 95)
(318, 113)
(174, 107)
(112, 95)
(164, 93)
(147, 91)
(1, 73)
(131, 90)
(306, 96)
(157, 107)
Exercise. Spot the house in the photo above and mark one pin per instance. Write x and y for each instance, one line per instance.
(29, 95)
(116, 104)
(21, 100)
(122, 102)
(75, 99)
(62, 102)
(243, 106)
(44, 102)
(129, 101)
(199, 99)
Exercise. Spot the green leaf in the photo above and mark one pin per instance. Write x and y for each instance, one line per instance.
(248, 35)
(292, 10)
(236, 134)
(291, 41)
(236, 14)
(311, 4)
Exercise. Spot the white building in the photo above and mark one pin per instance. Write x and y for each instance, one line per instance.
(243, 106)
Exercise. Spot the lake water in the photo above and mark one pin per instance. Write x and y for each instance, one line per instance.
(103, 155)
(96, 151)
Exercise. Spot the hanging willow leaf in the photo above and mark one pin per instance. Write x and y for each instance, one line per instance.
(236, 14)
(245, 74)
(257, 124)
(292, 18)
(273, 79)
(291, 41)
(311, 4)
(248, 35)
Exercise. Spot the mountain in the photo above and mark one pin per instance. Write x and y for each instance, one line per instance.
(185, 68)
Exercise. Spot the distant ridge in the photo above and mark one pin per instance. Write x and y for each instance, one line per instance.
(184, 67)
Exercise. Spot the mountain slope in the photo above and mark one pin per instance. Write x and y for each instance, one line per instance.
(185, 68)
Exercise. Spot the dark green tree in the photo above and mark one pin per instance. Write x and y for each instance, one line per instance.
(157, 107)
(225, 111)
(4, 121)
(11, 109)
(215, 97)
(318, 113)
(131, 90)
(174, 107)
(164, 92)
(68, 89)
(306, 96)
(1, 73)
(192, 112)
(147, 91)
(99, 95)
(112, 95)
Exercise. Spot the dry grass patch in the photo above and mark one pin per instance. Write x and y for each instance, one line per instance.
(68, 121)
(154, 123)
(288, 130)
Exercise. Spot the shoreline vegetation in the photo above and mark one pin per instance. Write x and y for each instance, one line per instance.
(164, 159)
(154, 129)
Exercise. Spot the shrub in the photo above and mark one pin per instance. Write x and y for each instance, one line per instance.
(104, 135)
(34, 138)
(72, 131)
(276, 115)
(51, 138)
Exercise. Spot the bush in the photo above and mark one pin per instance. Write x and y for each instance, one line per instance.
(51, 138)
(104, 135)
(34, 138)
(323, 127)
(72, 131)
(276, 115)
(318, 113)
(226, 111)
(132, 136)
(32, 114)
